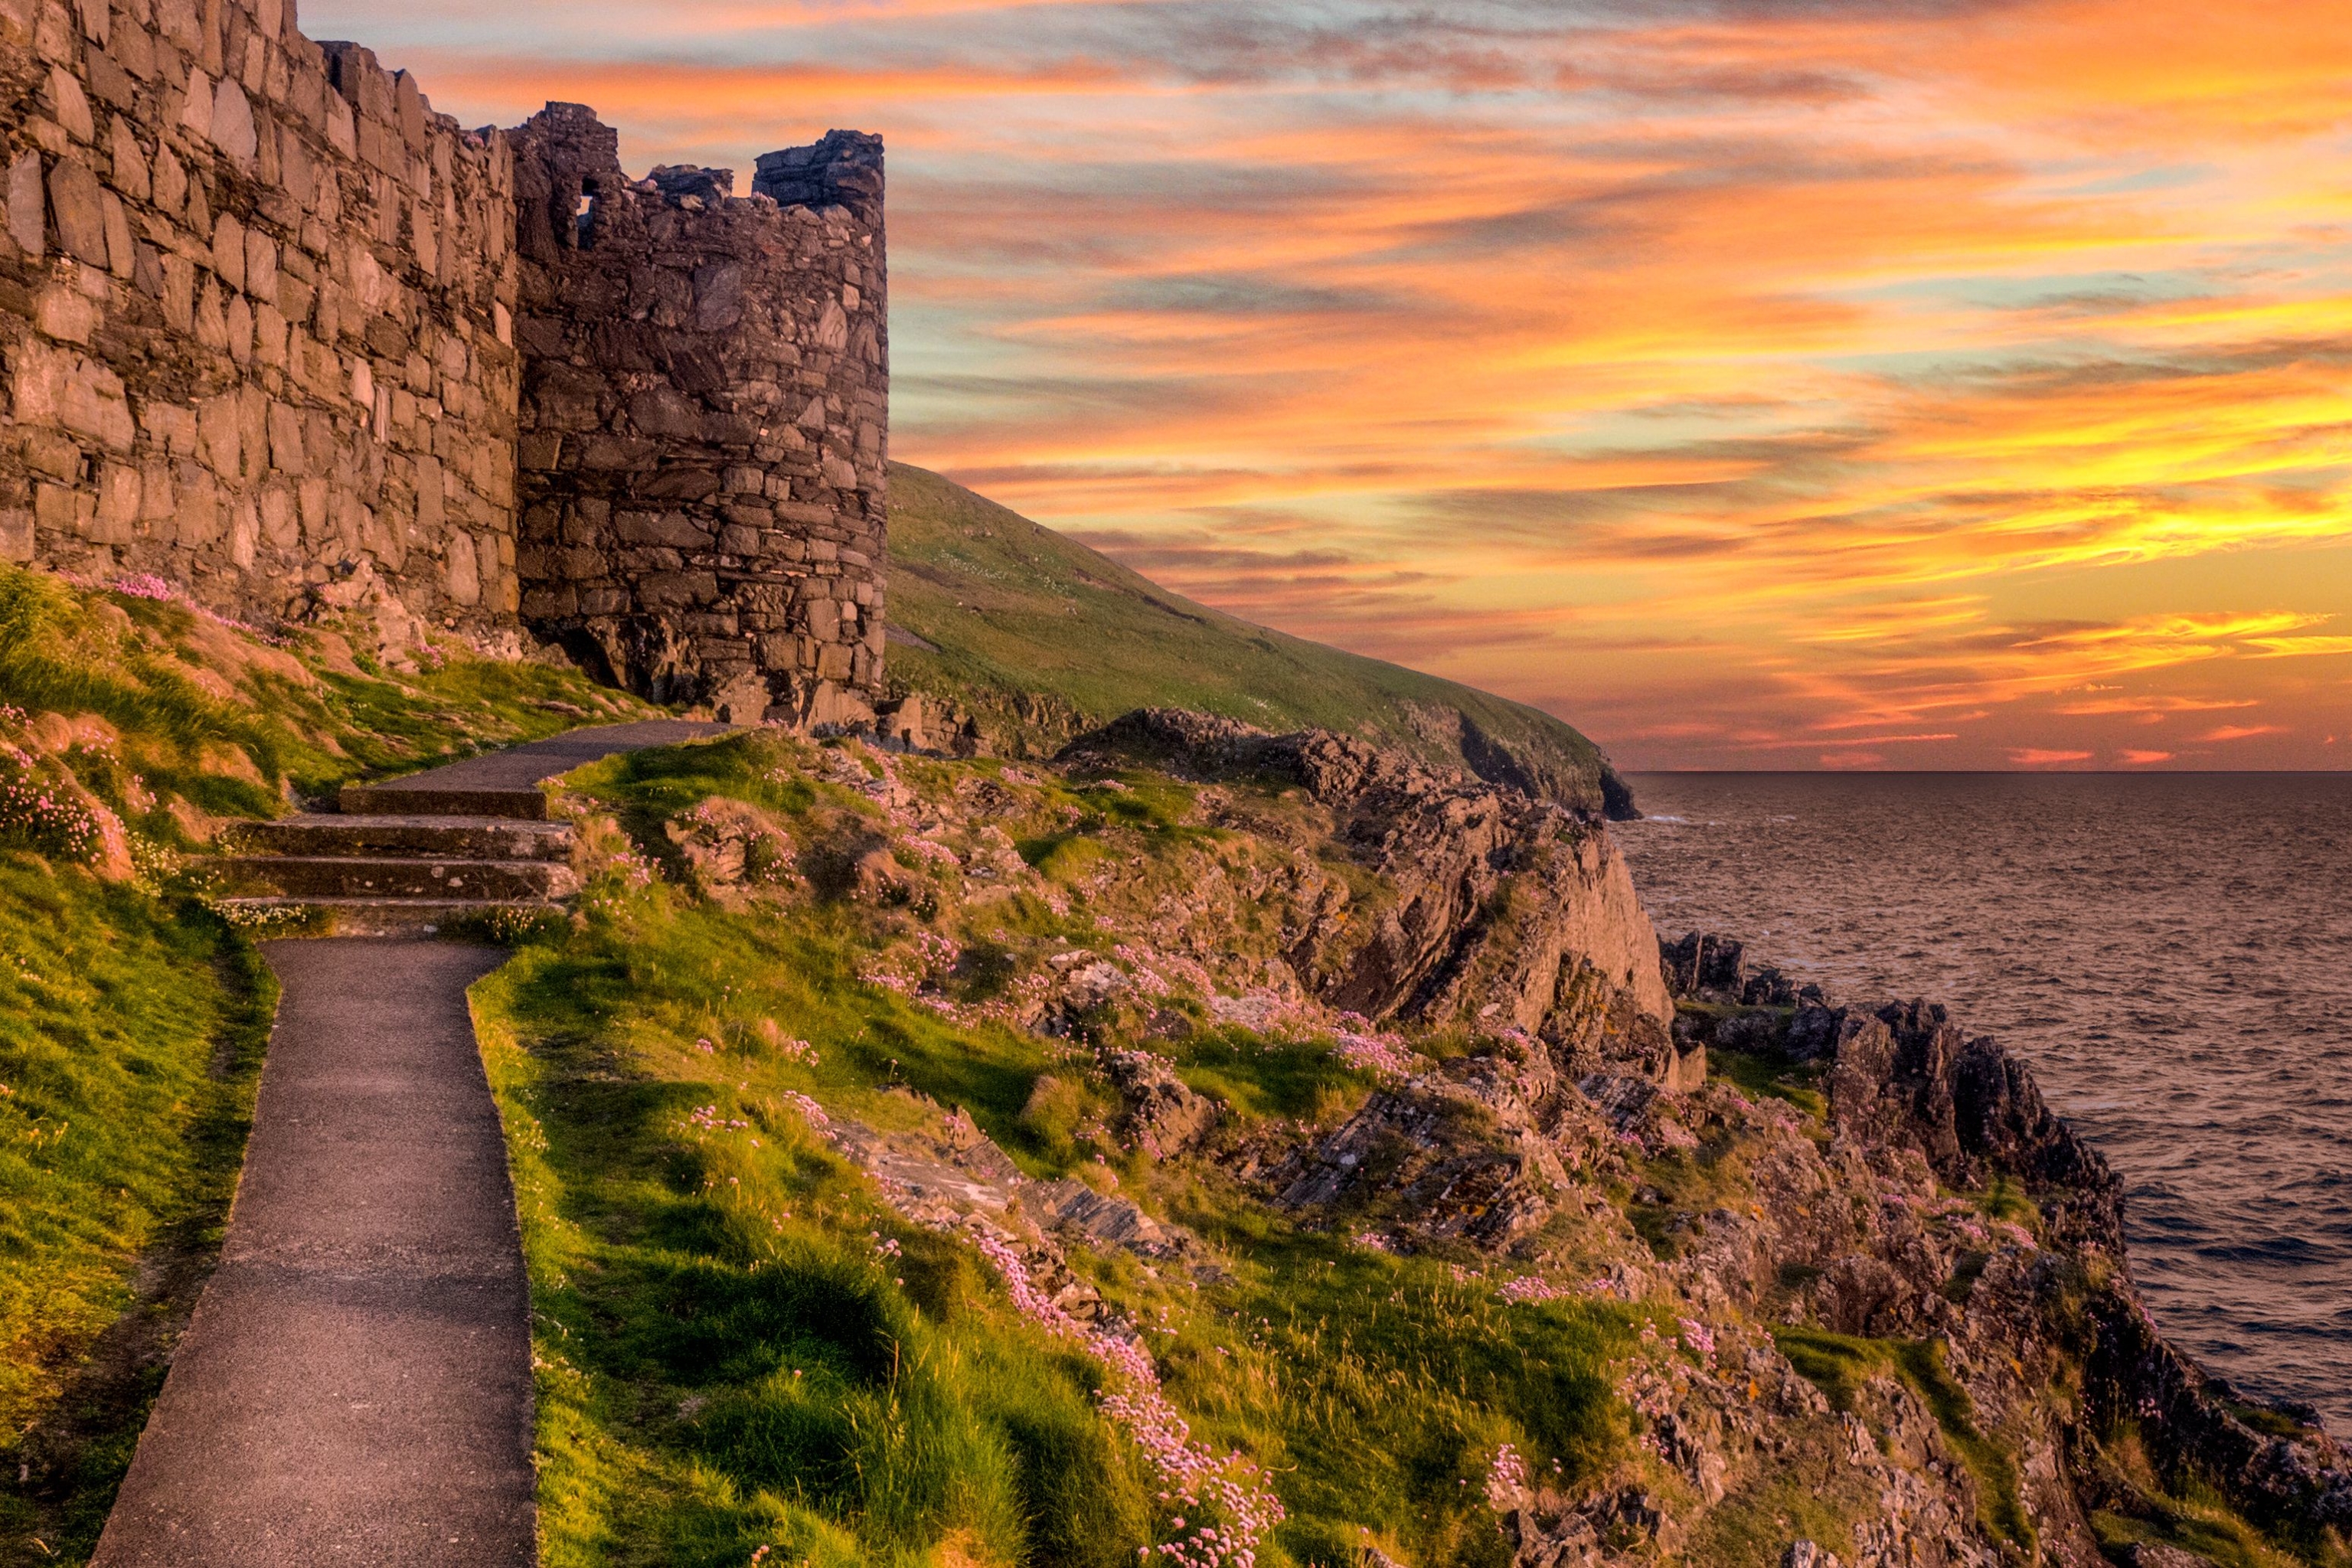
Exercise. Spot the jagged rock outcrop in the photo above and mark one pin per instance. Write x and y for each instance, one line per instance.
(1164, 1117)
(1918, 1109)
(1481, 1148)
(1885, 1220)
(1506, 912)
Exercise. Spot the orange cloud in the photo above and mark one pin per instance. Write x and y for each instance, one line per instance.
(2242, 731)
(1732, 380)
(2140, 759)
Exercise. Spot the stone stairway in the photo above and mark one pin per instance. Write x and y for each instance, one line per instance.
(408, 865)
(410, 857)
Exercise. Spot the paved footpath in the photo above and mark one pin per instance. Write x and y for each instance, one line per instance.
(356, 1387)
(528, 766)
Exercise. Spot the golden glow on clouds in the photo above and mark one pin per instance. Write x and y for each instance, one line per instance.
(1893, 384)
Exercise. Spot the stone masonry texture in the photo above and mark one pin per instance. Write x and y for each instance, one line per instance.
(272, 329)
(704, 416)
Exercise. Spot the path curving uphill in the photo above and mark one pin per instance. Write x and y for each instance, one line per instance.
(356, 1387)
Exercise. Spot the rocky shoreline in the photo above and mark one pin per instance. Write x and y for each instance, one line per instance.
(1876, 1303)
(2051, 1340)
(1873, 1197)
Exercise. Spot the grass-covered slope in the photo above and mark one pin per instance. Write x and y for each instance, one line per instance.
(1041, 638)
(751, 1349)
(132, 1018)
(868, 1222)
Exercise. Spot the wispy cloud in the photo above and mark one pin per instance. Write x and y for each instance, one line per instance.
(1731, 375)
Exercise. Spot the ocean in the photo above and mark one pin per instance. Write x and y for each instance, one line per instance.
(2173, 952)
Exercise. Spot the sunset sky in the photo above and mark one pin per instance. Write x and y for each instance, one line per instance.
(1951, 384)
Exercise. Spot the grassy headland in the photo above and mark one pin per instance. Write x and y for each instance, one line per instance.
(744, 1343)
(1043, 639)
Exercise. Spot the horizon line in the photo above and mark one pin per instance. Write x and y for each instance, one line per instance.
(1992, 772)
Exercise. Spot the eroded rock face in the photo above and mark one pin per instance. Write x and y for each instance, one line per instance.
(1853, 1226)
(1164, 1117)
(1508, 911)
(1481, 1148)
(1917, 1109)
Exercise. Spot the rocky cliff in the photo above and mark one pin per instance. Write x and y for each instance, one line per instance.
(1198, 1020)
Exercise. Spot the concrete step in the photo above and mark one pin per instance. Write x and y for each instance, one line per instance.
(397, 799)
(386, 837)
(418, 917)
(310, 876)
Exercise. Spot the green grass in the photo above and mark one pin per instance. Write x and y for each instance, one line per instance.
(1043, 637)
(1380, 1388)
(724, 1362)
(131, 1039)
(1261, 1078)
(206, 715)
(133, 1020)
(1840, 1364)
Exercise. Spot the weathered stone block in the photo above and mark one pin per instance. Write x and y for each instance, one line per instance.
(16, 542)
(260, 266)
(59, 387)
(281, 523)
(548, 601)
(58, 509)
(76, 206)
(464, 570)
(663, 411)
(232, 129)
(677, 590)
(50, 452)
(71, 106)
(195, 505)
(672, 529)
(116, 515)
(610, 453)
(65, 313)
(27, 217)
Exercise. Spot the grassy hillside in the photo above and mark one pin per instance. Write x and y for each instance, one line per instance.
(132, 1018)
(750, 1350)
(1041, 638)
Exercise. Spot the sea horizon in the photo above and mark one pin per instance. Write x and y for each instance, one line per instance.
(2169, 952)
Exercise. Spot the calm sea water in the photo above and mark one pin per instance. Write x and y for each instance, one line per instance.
(2172, 953)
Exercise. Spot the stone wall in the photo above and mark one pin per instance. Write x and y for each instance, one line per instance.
(256, 315)
(703, 420)
(273, 329)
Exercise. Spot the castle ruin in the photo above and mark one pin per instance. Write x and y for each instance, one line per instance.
(274, 331)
